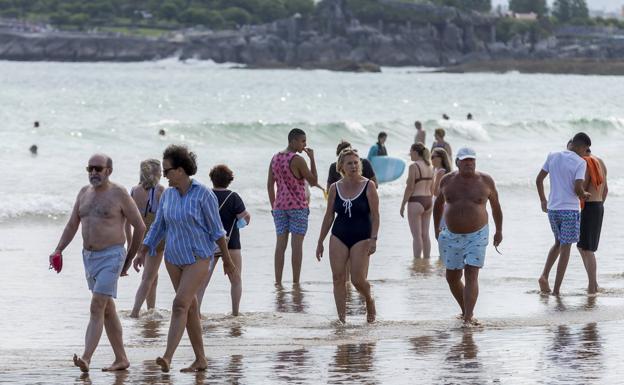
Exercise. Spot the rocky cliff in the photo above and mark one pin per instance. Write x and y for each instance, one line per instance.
(442, 36)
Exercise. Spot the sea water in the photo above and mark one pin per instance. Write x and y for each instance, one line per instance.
(289, 334)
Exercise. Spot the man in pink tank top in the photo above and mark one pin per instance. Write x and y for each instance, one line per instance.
(289, 172)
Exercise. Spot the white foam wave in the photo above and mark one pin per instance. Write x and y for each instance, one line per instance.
(21, 205)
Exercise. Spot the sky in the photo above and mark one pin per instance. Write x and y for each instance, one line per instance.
(607, 5)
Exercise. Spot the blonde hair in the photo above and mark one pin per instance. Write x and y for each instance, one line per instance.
(423, 152)
(341, 158)
(149, 174)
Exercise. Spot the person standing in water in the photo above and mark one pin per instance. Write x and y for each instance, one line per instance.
(146, 195)
(567, 176)
(334, 176)
(592, 212)
(232, 211)
(188, 219)
(463, 240)
(441, 166)
(289, 206)
(353, 201)
(379, 148)
(102, 210)
(418, 198)
(421, 134)
(439, 142)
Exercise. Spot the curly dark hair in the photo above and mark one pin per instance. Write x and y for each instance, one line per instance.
(221, 176)
(180, 156)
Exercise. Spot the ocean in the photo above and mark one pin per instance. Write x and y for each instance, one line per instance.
(289, 335)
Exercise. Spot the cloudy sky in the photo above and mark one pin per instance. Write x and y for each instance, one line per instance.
(608, 5)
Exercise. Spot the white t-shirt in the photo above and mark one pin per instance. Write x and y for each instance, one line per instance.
(564, 168)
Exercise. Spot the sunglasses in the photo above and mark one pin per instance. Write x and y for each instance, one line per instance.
(96, 168)
(166, 170)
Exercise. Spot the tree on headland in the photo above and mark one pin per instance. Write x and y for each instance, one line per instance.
(527, 6)
(474, 5)
(574, 11)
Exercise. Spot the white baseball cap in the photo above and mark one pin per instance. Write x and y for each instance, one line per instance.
(466, 153)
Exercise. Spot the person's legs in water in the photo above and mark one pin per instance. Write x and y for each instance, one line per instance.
(114, 332)
(589, 261)
(148, 285)
(414, 216)
(236, 283)
(338, 259)
(426, 240)
(471, 292)
(564, 257)
(553, 254)
(296, 245)
(280, 251)
(358, 260)
(453, 278)
(185, 314)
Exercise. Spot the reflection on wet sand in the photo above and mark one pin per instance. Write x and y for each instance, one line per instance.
(579, 351)
(463, 365)
(292, 366)
(290, 301)
(428, 343)
(356, 304)
(354, 363)
(151, 330)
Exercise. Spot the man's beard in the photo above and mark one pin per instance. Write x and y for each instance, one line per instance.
(95, 181)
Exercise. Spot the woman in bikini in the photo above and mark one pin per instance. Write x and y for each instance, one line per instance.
(354, 204)
(418, 198)
(146, 195)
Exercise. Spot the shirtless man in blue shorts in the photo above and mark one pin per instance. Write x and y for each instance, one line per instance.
(462, 241)
(102, 209)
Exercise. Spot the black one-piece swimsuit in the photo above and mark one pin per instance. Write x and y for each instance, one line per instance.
(353, 221)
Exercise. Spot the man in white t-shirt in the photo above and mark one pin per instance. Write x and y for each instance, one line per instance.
(567, 174)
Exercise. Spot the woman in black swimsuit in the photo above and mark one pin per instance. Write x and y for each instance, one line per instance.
(354, 203)
(418, 198)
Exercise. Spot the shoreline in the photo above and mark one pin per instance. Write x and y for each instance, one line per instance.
(548, 66)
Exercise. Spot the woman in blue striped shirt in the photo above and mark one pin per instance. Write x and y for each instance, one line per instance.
(188, 219)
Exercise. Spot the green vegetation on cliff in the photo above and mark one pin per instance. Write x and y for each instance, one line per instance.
(154, 13)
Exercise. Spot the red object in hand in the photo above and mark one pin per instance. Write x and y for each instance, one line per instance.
(56, 262)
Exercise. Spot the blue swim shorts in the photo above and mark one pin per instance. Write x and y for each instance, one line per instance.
(565, 225)
(459, 250)
(294, 221)
(102, 269)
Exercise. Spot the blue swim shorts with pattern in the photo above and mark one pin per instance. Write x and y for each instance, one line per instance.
(565, 225)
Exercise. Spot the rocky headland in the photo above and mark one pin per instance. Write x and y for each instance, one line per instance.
(334, 39)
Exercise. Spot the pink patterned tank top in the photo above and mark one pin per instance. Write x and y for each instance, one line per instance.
(290, 190)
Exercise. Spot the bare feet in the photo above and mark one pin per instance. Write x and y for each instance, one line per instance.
(543, 284)
(134, 314)
(82, 364)
(459, 316)
(371, 312)
(117, 365)
(198, 366)
(470, 323)
(164, 364)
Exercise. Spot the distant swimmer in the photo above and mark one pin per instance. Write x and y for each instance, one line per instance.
(445, 117)
(439, 142)
(420, 133)
(161, 132)
(147, 195)
(379, 148)
(469, 116)
(463, 240)
(334, 176)
(592, 211)
(418, 198)
(289, 172)
(102, 210)
(567, 177)
(33, 149)
(36, 124)
(354, 204)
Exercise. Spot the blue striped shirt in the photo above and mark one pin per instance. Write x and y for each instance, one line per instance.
(190, 224)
